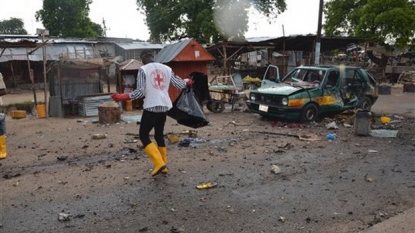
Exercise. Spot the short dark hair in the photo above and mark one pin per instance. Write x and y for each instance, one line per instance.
(145, 53)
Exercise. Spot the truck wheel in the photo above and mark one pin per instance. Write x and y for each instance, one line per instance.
(309, 113)
(217, 106)
(365, 103)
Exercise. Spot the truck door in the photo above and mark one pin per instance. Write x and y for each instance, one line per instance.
(332, 98)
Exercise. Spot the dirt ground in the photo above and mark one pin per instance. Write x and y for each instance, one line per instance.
(266, 182)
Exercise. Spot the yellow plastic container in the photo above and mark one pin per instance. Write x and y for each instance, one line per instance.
(18, 114)
(41, 110)
(128, 105)
(385, 120)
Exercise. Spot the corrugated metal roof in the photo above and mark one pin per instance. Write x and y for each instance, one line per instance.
(131, 64)
(259, 39)
(169, 52)
(139, 46)
(53, 52)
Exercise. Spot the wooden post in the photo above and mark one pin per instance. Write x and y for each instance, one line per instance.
(225, 60)
(284, 66)
(44, 72)
(60, 87)
(14, 77)
(109, 113)
(31, 78)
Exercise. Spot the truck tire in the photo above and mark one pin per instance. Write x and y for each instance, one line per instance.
(309, 113)
(365, 103)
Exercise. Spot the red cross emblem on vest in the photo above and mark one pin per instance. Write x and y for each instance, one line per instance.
(158, 79)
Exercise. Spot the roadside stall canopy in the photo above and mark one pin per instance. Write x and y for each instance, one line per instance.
(126, 81)
(307, 43)
(230, 50)
(127, 78)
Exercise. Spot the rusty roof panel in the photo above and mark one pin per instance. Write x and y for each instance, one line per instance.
(169, 52)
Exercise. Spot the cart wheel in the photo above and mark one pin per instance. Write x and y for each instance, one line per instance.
(217, 106)
(209, 105)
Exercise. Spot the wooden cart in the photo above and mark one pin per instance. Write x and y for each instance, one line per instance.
(223, 89)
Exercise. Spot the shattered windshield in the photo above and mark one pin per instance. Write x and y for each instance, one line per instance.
(304, 77)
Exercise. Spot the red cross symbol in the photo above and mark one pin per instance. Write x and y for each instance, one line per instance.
(158, 79)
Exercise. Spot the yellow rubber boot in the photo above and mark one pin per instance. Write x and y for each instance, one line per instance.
(163, 152)
(155, 157)
(3, 150)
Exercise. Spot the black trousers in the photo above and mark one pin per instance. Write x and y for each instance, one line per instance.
(151, 120)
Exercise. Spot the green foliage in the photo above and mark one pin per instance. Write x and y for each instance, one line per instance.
(170, 20)
(385, 22)
(25, 106)
(68, 18)
(12, 26)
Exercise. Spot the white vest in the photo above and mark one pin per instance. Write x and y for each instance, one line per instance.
(157, 85)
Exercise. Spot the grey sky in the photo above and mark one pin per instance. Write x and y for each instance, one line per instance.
(123, 20)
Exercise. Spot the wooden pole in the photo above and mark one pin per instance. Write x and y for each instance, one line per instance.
(44, 74)
(318, 38)
(14, 77)
(31, 78)
(225, 59)
(60, 87)
(284, 66)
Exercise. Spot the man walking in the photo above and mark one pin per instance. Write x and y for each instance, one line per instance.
(153, 81)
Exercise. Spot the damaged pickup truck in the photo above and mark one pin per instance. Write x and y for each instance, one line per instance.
(309, 92)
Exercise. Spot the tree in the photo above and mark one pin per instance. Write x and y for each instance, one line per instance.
(98, 29)
(12, 26)
(390, 23)
(170, 20)
(68, 18)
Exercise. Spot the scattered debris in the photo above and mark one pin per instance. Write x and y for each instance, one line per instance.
(129, 119)
(144, 229)
(372, 151)
(308, 137)
(173, 138)
(206, 185)
(368, 179)
(185, 142)
(8, 176)
(275, 169)
(236, 124)
(332, 125)
(62, 158)
(331, 136)
(221, 149)
(99, 136)
(384, 133)
(287, 146)
(130, 141)
(385, 120)
(62, 217)
(281, 219)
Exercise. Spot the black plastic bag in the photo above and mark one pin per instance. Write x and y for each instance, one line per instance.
(187, 111)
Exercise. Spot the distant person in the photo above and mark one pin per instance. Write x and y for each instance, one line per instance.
(2, 88)
(153, 81)
(3, 149)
